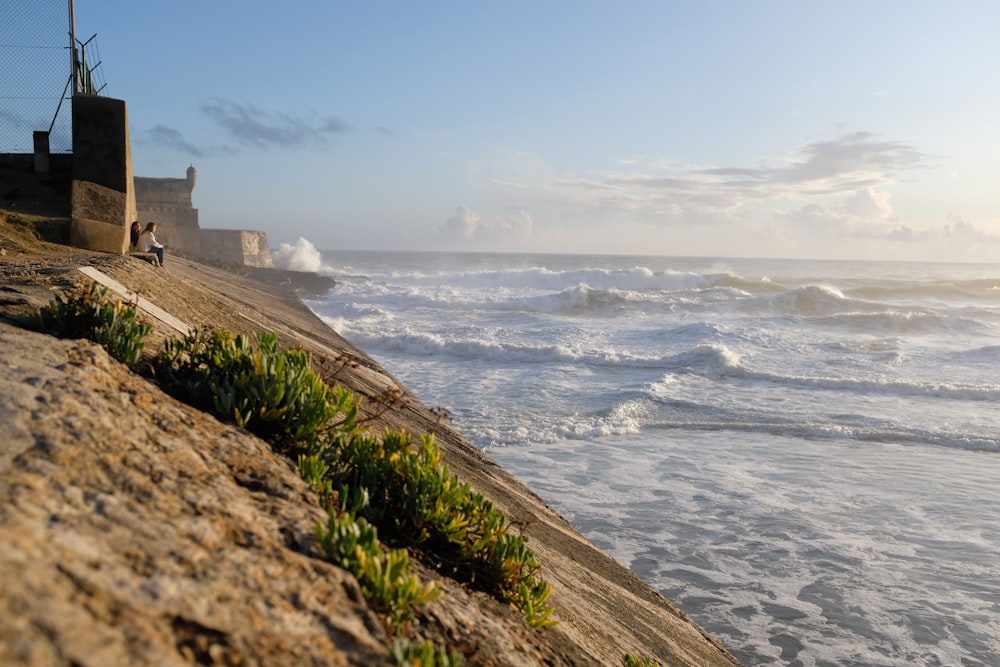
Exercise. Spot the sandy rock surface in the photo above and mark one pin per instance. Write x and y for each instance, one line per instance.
(135, 530)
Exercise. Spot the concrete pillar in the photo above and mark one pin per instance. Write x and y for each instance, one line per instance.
(103, 191)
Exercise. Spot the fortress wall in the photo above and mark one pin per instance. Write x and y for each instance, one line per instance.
(103, 196)
(174, 227)
(165, 191)
(167, 202)
(239, 246)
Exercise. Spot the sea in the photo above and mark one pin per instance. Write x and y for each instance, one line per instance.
(803, 455)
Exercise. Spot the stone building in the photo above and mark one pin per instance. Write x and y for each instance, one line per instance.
(168, 203)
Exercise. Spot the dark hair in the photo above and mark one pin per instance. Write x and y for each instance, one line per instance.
(149, 226)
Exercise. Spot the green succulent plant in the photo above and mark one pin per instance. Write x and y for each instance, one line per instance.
(270, 391)
(423, 655)
(367, 483)
(88, 313)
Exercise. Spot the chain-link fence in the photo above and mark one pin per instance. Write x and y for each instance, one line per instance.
(35, 74)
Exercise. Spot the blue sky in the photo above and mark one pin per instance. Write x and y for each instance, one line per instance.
(855, 130)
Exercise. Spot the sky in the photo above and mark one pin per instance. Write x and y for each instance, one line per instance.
(826, 130)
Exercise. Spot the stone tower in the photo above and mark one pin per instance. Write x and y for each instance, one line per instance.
(167, 202)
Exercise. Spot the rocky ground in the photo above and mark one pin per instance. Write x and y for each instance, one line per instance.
(135, 530)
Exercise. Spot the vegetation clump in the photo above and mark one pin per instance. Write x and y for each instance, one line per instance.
(414, 497)
(407, 492)
(272, 392)
(630, 660)
(88, 313)
(352, 543)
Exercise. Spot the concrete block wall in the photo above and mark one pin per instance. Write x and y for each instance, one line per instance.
(103, 196)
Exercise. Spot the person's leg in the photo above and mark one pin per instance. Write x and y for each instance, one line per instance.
(159, 254)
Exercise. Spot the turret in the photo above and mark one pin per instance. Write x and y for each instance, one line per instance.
(192, 177)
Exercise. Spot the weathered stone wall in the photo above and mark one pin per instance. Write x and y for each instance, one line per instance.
(103, 197)
(238, 246)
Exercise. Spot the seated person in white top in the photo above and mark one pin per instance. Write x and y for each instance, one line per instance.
(147, 241)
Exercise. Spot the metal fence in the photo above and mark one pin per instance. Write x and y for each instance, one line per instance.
(36, 73)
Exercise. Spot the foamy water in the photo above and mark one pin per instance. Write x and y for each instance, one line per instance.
(803, 455)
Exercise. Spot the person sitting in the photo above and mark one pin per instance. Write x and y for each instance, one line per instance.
(147, 242)
(134, 235)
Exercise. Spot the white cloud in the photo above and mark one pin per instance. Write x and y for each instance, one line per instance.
(867, 214)
(956, 230)
(463, 223)
(517, 222)
(468, 224)
(852, 164)
(869, 204)
(960, 228)
(858, 214)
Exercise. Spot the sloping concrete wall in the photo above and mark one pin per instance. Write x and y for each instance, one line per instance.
(103, 196)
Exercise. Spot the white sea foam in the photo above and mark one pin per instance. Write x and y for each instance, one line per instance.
(802, 455)
(300, 256)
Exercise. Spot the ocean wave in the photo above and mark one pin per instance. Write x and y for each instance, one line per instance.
(378, 331)
(983, 289)
(540, 278)
(717, 362)
(743, 285)
(627, 418)
(897, 322)
(416, 343)
(814, 300)
(868, 346)
(581, 299)
(829, 307)
(989, 354)
(710, 361)
(644, 415)
(815, 431)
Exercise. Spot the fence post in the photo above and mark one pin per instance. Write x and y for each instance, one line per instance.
(74, 61)
(41, 138)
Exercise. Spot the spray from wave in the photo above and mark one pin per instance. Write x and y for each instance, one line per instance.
(301, 256)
